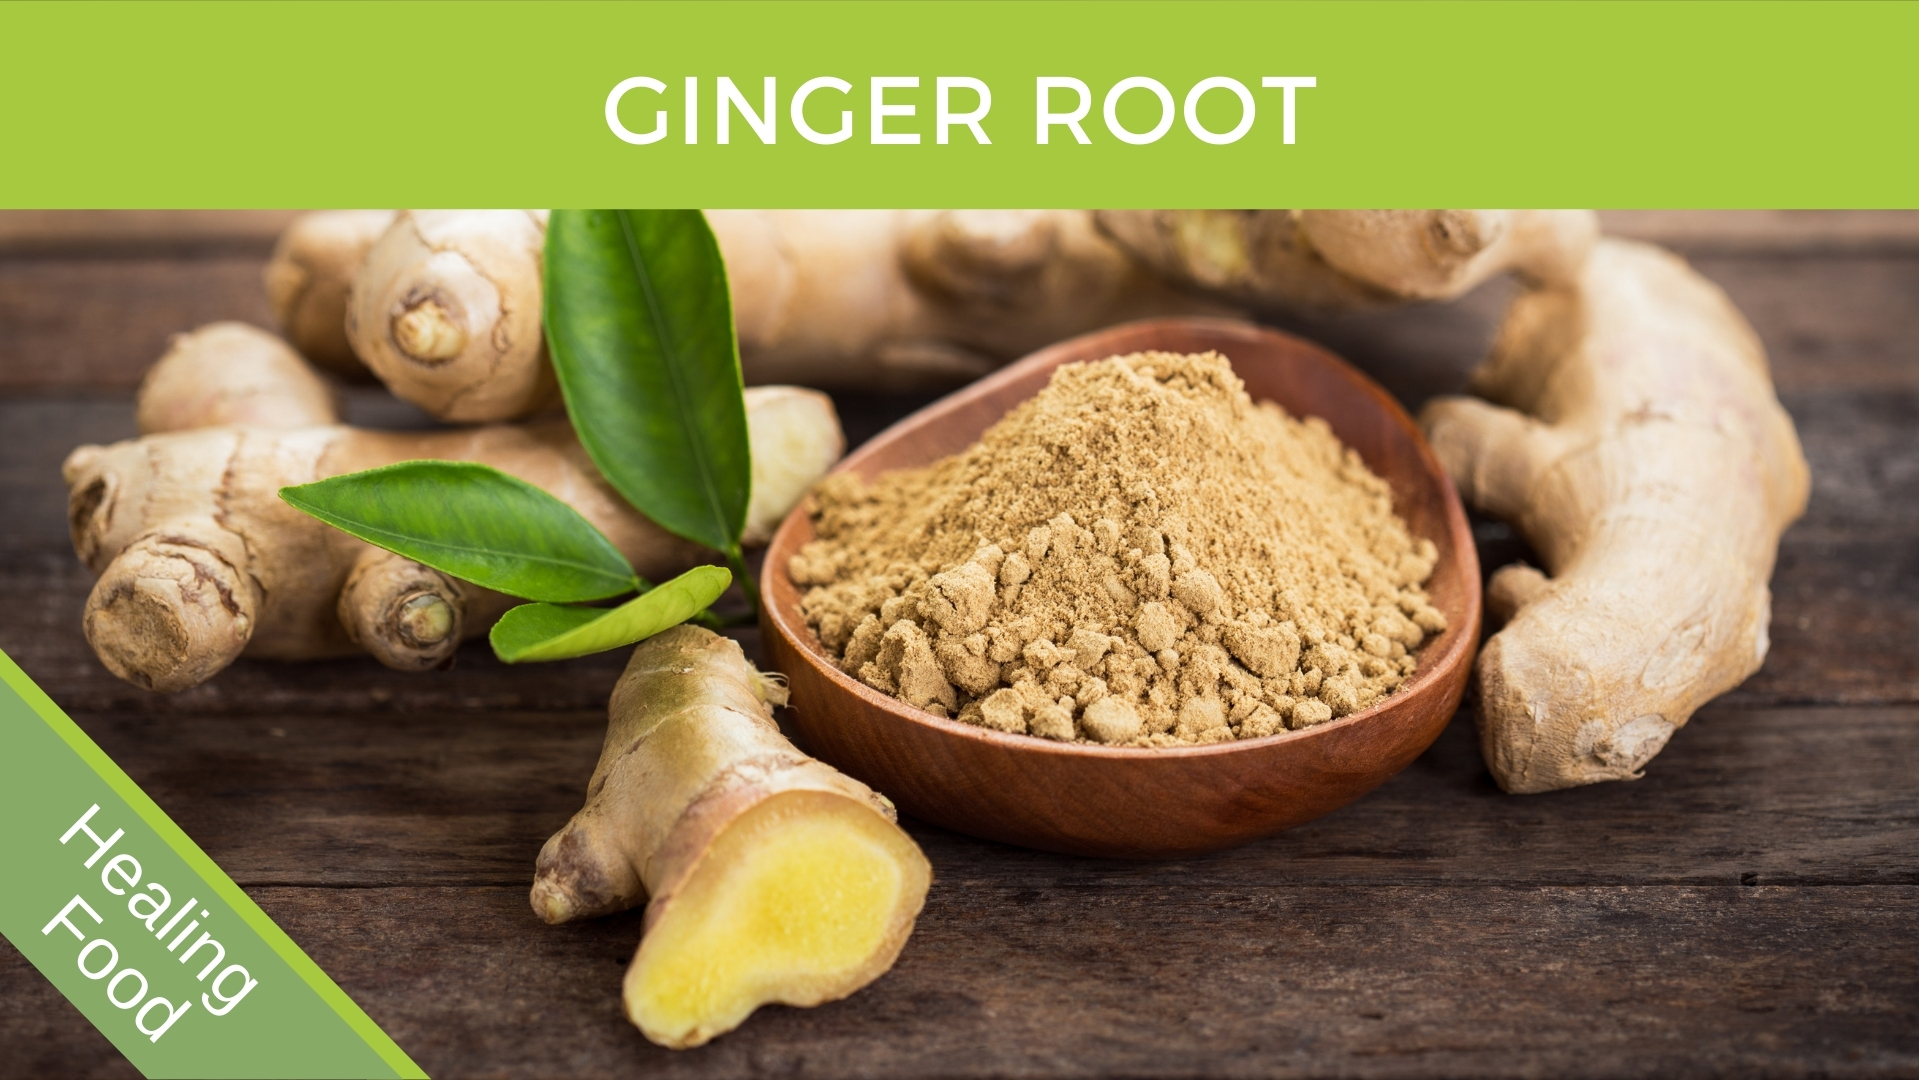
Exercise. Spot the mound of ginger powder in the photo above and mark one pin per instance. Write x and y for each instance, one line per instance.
(1139, 556)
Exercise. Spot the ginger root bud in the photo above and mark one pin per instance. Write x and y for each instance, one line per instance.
(446, 312)
(426, 331)
(772, 877)
(410, 617)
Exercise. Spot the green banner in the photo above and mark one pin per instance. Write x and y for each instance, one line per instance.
(143, 933)
(1179, 104)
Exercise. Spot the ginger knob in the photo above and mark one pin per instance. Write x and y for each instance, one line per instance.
(427, 332)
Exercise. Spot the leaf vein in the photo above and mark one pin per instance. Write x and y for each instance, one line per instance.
(675, 375)
(367, 532)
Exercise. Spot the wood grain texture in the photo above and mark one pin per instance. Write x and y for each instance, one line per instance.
(1752, 232)
(1747, 909)
(42, 1034)
(97, 323)
(1816, 796)
(1829, 324)
(142, 232)
(1065, 978)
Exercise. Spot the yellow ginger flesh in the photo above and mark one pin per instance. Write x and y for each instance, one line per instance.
(790, 905)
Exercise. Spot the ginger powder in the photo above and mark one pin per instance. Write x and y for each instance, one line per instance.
(1139, 556)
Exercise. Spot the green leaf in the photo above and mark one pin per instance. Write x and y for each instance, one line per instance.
(551, 632)
(475, 523)
(640, 328)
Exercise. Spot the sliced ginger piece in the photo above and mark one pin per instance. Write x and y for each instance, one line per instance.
(772, 877)
(804, 899)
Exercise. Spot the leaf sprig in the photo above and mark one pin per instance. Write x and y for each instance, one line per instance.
(478, 524)
(639, 326)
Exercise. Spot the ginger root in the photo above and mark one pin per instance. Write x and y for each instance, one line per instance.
(864, 298)
(772, 877)
(446, 309)
(903, 298)
(795, 437)
(200, 561)
(231, 373)
(1642, 452)
(1350, 260)
(309, 275)
(446, 312)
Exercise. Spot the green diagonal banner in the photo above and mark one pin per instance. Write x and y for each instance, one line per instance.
(143, 933)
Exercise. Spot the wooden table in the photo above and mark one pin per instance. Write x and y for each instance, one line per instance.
(1751, 907)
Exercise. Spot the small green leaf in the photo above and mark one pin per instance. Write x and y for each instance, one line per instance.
(640, 327)
(550, 632)
(475, 523)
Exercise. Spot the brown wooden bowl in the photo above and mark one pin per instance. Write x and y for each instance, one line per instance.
(1139, 803)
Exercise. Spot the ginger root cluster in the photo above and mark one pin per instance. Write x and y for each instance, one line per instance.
(1141, 555)
(200, 561)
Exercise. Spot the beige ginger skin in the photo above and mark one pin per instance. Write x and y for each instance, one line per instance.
(903, 298)
(200, 561)
(446, 309)
(1636, 442)
(231, 373)
(1318, 261)
(768, 876)
(307, 279)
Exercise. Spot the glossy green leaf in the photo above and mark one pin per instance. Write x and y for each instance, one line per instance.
(640, 328)
(475, 523)
(551, 632)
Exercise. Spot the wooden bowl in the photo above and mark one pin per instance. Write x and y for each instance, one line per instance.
(1097, 800)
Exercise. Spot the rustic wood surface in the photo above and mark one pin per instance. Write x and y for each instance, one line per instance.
(1750, 908)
